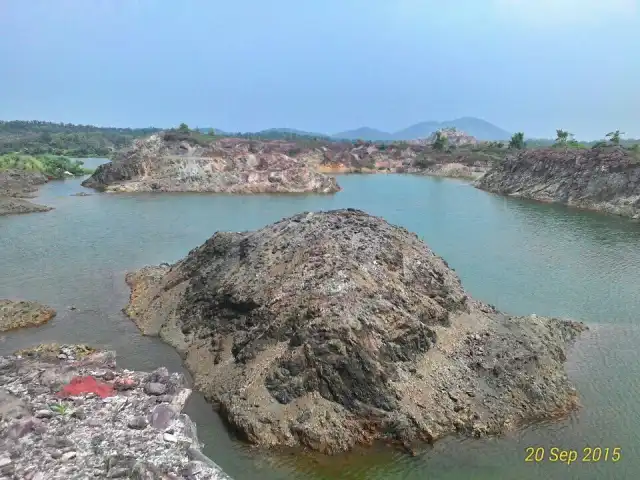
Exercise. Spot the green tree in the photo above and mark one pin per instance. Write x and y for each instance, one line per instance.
(440, 142)
(212, 132)
(37, 138)
(184, 128)
(563, 137)
(614, 137)
(50, 165)
(517, 141)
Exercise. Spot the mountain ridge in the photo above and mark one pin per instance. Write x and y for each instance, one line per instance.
(476, 127)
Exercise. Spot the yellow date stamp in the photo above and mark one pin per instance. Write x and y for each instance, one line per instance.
(569, 456)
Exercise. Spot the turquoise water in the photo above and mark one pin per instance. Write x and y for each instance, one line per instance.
(522, 257)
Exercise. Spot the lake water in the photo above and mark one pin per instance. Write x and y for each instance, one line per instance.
(522, 257)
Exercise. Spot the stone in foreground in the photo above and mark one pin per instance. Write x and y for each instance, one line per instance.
(21, 314)
(328, 330)
(55, 424)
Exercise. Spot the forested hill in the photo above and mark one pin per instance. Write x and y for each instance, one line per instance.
(37, 137)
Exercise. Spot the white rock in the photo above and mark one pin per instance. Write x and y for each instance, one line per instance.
(170, 438)
(44, 414)
(68, 456)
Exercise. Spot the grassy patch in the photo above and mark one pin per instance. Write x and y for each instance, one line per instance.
(51, 165)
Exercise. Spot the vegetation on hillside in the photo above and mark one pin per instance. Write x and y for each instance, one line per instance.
(440, 142)
(50, 165)
(80, 141)
(38, 139)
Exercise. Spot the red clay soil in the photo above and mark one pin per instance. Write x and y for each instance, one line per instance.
(83, 385)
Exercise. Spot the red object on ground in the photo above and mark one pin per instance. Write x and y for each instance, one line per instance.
(80, 385)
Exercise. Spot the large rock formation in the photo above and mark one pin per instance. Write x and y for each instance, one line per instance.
(184, 162)
(333, 329)
(605, 179)
(20, 314)
(15, 186)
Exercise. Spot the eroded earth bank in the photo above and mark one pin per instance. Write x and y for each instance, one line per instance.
(605, 179)
(330, 330)
(15, 187)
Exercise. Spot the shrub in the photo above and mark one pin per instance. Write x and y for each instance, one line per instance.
(50, 165)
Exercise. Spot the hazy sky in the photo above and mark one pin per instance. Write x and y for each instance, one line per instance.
(323, 65)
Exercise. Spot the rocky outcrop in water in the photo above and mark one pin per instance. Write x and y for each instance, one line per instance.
(183, 162)
(20, 314)
(192, 162)
(605, 179)
(328, 330)
(15, 186)
(67, 412)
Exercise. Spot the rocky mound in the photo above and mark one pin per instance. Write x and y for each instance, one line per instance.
(23, 314)
(605, 179)
(402, 157)
(328, 330)
(67, 412)
(455, 137)
(175, 162)
(15, 185)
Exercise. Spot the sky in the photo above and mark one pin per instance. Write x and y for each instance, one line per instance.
(324, 65)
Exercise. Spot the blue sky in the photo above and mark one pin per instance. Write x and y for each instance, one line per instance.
(324, 65)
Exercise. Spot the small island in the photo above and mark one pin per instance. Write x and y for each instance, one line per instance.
(187, 161)
(21, 314)
(335, 329)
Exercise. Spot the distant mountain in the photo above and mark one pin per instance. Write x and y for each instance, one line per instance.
(364, 133)
(293, 131)
(476, 127)
(269, 134)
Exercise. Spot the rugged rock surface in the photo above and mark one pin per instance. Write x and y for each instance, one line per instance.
(199, 163)
(20, 314)
(414, 157)
(328, 330)
(605, 179)
(15, 186)
(68, 413)
(456, 170)
(174, 162)
(455, 137)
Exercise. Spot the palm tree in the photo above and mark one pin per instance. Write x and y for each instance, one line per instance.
(614, 137)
